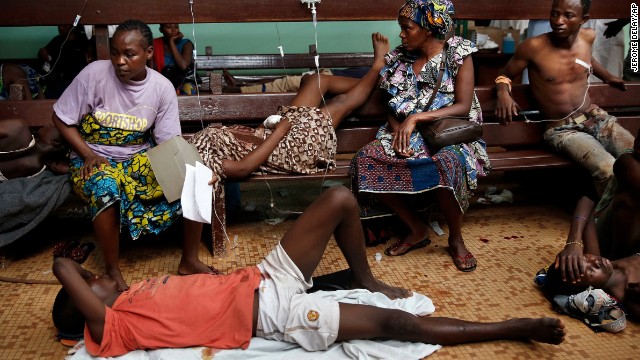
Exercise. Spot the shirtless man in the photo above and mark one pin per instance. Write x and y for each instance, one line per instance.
(25, 155)
(559, 65)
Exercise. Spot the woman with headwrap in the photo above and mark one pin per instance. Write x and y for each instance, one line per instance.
(398, 167)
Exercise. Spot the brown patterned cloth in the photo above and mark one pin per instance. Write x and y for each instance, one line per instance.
(308, 147)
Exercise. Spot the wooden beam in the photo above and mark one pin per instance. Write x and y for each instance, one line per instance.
(289, 61)
(252, 107)
(107, 12)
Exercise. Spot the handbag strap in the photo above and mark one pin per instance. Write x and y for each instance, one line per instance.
(441, 70)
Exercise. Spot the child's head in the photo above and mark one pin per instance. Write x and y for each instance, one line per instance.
(131, 48)
(597, 273)
(169, 30)
(66, 316)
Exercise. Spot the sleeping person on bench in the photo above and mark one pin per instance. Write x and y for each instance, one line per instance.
(303, 140)
(559, 64)
(269, 300)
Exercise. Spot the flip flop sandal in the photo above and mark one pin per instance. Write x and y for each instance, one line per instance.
(64, 248)
(82, 252)
(460, 261)
(410, 247)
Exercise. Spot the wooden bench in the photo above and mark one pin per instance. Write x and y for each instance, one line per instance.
(520, 144)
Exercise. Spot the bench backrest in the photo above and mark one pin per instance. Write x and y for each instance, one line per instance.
(251, 109)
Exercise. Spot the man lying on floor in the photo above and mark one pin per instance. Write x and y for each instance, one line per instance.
(269, 300)
(603, 246)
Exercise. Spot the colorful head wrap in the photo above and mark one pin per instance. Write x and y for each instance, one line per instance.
(432, 15)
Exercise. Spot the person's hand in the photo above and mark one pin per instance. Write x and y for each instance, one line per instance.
(616, 82)
(506, 109)
(402, 136)
(406, 154)
(282, 126)
(571, 262)
(92, 162)
(614, 27)
(177, 37)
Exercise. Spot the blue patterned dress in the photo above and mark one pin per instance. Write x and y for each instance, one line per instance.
(377, 169)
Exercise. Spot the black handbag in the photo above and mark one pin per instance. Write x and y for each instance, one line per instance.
(450, 130)
(447, 130)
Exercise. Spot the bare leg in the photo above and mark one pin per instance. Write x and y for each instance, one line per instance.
(418, 230)
(189, 262)
(358, 90)
(107, 232)
(335, 211)
(314, 87)
(366, 322)
(462, 258)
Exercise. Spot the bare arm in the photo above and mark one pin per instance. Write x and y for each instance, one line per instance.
(241, 169)
(460, 107)
(581, 240)
(72, 135)
(608, 78)
(183, 59)
(72, 277)
(506, 108)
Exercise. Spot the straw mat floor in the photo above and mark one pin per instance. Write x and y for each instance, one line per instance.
(511, 243)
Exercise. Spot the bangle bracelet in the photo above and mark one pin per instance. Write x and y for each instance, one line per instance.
(578, 217)
(503, 80)
(573, 242)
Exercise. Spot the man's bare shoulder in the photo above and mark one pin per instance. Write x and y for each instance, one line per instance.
(533, 45)
(587, 34)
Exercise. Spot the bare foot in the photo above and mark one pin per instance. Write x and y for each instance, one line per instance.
(463, 259)
(187, 267)
(546, 330)
(417, 239)
(375, 285)
(380, 48)
(117, 276)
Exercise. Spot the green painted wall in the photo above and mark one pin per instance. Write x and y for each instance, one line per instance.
(236, 38)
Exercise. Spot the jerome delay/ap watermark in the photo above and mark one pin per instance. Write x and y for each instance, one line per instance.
(633, 41)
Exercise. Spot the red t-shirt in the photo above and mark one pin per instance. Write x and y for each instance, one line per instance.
(180, 311)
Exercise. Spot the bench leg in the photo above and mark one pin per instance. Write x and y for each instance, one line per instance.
(217, 243)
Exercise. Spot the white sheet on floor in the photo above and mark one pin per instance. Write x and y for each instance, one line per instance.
(262, 349)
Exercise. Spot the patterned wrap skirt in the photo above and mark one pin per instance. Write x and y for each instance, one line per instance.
(309, 147)
(131, 183)
(376, 169)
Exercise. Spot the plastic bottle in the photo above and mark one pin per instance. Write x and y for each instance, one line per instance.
(508, 44)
